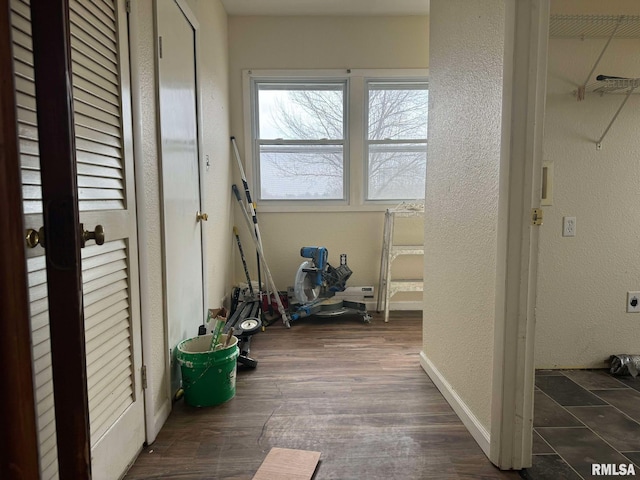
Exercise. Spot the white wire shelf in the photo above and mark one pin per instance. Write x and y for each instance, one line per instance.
(594, 26)
(599, 26)
(614, 85)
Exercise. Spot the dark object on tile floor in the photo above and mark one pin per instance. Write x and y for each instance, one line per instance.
(624, 364)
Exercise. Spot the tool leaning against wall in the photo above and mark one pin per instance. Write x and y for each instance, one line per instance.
(254, 229)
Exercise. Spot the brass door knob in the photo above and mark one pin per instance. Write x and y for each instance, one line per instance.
(97, 235)
(33, 237)
(200, 217)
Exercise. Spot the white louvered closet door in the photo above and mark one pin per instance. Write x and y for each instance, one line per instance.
(106, 196)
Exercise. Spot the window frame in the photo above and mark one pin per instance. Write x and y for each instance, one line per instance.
(415, 81)
(355, 179)
(258, 142)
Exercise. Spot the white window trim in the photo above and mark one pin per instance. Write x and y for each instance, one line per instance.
(368, 143)
(355, 144)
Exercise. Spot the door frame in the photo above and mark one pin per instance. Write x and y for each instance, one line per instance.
(516, 280)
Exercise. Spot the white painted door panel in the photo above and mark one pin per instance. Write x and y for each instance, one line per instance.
(180, 176)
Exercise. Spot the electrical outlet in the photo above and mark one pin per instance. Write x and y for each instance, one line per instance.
(568, 226)
(633, 302)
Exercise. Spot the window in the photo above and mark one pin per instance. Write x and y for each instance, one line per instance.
(300, 140)
(396, 140)
(336, 140)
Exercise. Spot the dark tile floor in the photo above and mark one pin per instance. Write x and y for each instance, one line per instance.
(583, 417)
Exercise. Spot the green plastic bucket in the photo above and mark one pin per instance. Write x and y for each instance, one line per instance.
(208, 376)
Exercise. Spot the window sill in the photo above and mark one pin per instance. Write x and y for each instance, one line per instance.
(326, 208)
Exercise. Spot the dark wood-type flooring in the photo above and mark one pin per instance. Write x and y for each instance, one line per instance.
(353, 391)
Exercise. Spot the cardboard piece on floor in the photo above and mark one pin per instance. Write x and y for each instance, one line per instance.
(288, 464)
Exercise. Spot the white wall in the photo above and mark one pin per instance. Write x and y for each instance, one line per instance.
(461, 220)
(583, 281)
(213, 91)
(322, 43)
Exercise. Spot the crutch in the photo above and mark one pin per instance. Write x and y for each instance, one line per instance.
(255, 237)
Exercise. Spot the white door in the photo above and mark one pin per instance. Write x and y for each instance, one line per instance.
(180, 175)
(102, 117)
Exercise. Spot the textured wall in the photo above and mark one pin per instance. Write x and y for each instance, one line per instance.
(466, 70)
(323, 43)
(214, 104)
(151, 253)
(582, 281)
(213, 91)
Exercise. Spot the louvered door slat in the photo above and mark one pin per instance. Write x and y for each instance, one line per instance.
(89, 170)
(105, 9)
(97, 306)
(95, 15)
(101, 390)
(105, 281)
(104, 54)
(101, 363)
(95, 32)
(100, 97)
(21, 9)
(91, 158)
(98, 138)
(116, 264)
(105, 320)
(41, 352)
(97, 148)
(112, 406)
(94, 257)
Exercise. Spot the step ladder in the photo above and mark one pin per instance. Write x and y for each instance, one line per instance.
(388, 286)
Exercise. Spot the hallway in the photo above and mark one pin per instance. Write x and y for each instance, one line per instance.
(352, 391)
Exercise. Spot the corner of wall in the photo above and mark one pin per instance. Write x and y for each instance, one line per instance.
(473, 424)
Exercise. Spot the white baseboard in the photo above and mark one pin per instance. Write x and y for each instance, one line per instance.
(414, 305)
(477, 430)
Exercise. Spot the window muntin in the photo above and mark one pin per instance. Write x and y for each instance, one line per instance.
(396, 139)
(300, 133)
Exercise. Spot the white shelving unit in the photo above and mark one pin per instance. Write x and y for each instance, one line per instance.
(606, 27)
(390, 251)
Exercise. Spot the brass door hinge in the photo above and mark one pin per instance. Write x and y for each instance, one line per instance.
(537, 216)
(144, 376)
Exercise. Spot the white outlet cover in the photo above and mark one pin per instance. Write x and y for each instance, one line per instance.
(568, 226)
(633, 302)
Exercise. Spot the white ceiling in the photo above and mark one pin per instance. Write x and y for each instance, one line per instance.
(326, 7)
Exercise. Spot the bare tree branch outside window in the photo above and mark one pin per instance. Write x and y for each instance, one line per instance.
(301, 130)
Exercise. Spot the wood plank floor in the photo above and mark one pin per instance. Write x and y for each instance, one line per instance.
(353, 391)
